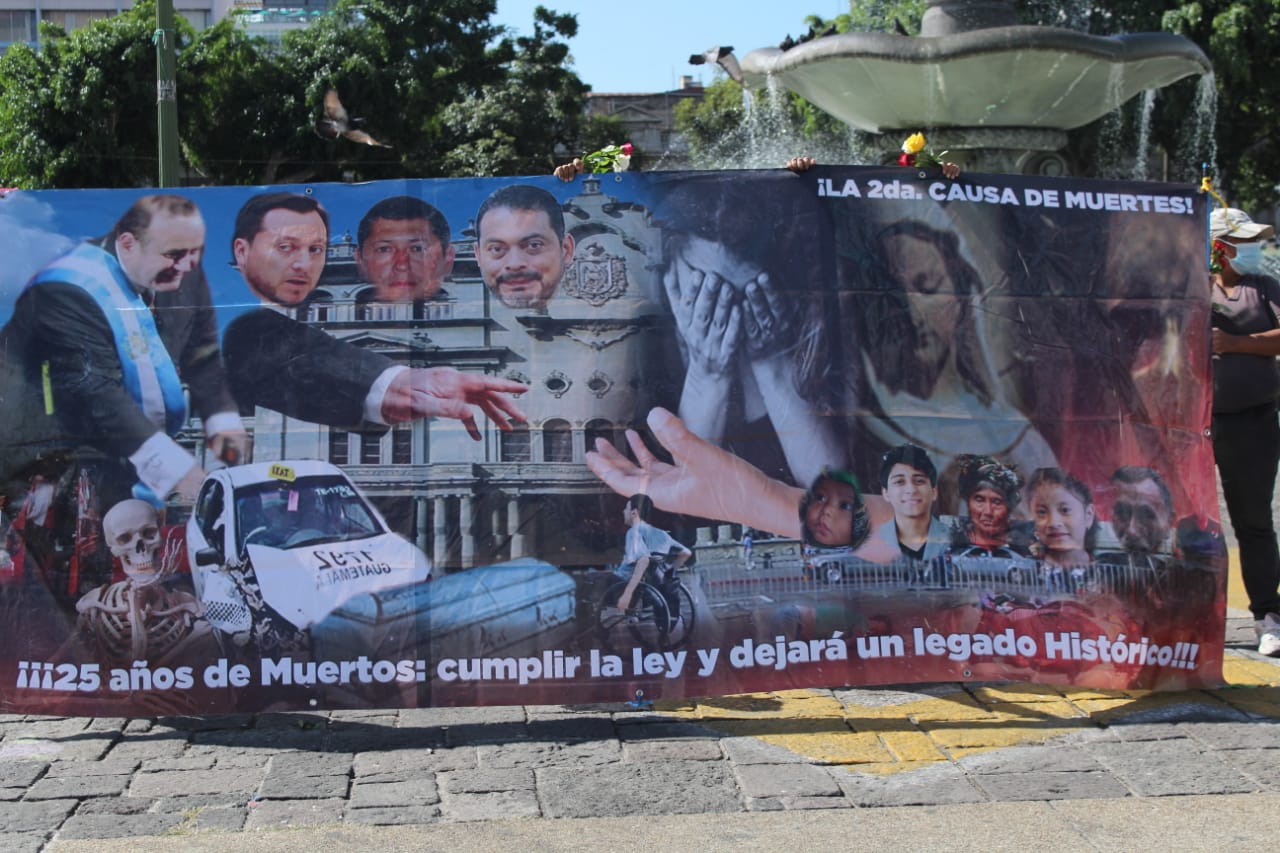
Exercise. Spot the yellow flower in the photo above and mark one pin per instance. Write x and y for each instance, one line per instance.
(914, 143)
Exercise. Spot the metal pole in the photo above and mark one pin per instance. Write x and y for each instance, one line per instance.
(166, 92)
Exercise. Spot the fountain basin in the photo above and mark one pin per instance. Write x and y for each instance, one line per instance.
(1002, 77)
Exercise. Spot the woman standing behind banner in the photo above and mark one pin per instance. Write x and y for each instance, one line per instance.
(1246, 385)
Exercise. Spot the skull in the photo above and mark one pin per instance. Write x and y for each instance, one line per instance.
(132, 531)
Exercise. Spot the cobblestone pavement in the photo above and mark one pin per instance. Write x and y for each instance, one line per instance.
(64, 778)
(71, 778)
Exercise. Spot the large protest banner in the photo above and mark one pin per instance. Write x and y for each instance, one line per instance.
(377, 445)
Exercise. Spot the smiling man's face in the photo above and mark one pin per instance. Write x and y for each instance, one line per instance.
(283, 261)
(520, 256)
(909, 491)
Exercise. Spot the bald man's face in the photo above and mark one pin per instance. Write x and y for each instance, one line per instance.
(1140, 518)
(170, 248)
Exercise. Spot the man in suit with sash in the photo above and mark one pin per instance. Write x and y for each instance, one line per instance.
(96, 356)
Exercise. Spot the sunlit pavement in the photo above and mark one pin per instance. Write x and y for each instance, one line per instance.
(895, 730)
(977, 766)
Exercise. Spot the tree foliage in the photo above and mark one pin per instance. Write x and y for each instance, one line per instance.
(704, 122)
(450, 92)
(82, 110)
(506, 126)
(1242, 39)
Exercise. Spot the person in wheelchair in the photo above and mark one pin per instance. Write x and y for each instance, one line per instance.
(645, 543)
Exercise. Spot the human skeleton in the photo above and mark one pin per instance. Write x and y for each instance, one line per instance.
(141, 618)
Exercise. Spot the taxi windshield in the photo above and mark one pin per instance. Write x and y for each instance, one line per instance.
(305, 511)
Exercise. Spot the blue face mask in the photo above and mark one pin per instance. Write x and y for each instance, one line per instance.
(1248, 259)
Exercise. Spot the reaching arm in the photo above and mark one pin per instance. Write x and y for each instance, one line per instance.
(568, 171)
(703, 480)
(433, 392)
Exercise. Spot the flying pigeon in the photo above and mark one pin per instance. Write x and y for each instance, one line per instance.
(722, 56)
(337, 123)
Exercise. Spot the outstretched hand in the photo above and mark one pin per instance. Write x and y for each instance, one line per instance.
(443, 392)
(701, 480)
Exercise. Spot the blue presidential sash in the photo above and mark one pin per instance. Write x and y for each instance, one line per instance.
(150, 375)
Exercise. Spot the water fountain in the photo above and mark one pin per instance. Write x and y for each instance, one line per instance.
(997, 95)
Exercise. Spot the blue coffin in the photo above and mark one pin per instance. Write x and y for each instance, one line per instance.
(509, 608)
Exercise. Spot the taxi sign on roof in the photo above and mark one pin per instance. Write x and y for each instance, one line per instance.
(282, 472)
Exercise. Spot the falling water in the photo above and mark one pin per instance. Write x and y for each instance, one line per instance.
(1111, 159)
(1197, 144)
(1144, 135)
(770, 134)
(1119, 147)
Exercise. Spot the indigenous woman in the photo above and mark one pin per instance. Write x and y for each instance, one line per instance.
(991, 492)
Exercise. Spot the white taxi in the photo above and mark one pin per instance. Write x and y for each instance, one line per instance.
(296, 533)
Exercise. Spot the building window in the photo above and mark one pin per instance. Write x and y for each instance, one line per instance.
(516, 445)
(557, 383)
(402, 446)
(17, 26)
(436, 309)
(370, 450)
(319, 307)
(339, 447)
(70, 19)
(557, 441)
(197, 18)
(600, 428)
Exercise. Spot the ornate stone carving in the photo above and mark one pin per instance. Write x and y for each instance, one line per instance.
(595, 276)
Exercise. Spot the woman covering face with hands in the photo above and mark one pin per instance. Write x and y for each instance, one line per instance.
(741, 288)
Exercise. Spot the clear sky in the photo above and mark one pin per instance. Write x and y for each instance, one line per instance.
(645, 46)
